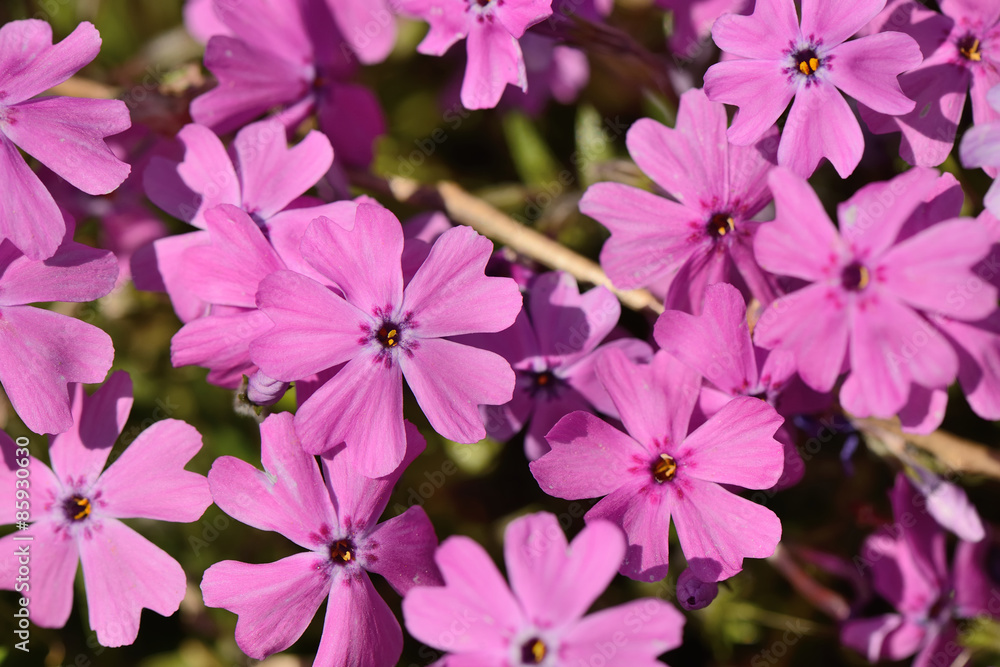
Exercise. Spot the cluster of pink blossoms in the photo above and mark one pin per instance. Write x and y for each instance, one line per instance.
(773, 313)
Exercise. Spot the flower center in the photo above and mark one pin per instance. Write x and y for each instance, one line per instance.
(855, 277)
(544, 380)
(664, 468)
(76, 508)
(968, 46)
(807, 62)
(533, 651)
(388, 334)
(720, 224)
(342, 552)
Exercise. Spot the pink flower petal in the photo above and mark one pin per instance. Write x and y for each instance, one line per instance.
(52, 559)
(866, 69)
(359, 628)
(402, 548)
(811, 324)
(716, 344)
(689, 161)
(735, 446)
(270, 26)
(125, 573)
(568, 324)
(253, 80)
(890, 346)
(650, 235)
(208, 171)
(360, 500)
(271, 173)
(939, 92)
(978, 348)
(367, 25)
(763, 35)
(167, 253)
(148, 480)
(165, 188)
(362, 405)
(450, 381)
(364, 262)
(351, 116)
(517, 17)
(718, 529)
(474, 596)
(655, 402)
(31, 63)
(546, 414)
(67, 136)
(872, 219)
(41, 352)
(450, 295)
(643, 512)
(924, 409)
(74, 273)
(820, 124)
(867, 635)
(494, 61)
(761, 90)
(838, 21)
(220, 343)
(555, 582)
(287, 497)
(29, 217)
(934, 270)
(589, 458)
(447, 18)
(229, 270)
(314, 328)
(275, 602)
(98, 420)
(639, 631)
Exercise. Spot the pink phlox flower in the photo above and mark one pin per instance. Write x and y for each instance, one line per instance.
(552, 347)
(704, 235)
(259, 173)
(659, 472)
(779, 60)
(908, 565)
(961, 47)
(538, 619)
(77, 511)
(492, 29)
(288, 54)
(869, 289)
(717, 346)
(334, 516)
(384, 332)
(66, 134)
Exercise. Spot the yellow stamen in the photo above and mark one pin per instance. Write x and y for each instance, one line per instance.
(538, 651)
(665, 468)
(804, 68)
(972, 52)
(85, 511)
(864, 277)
